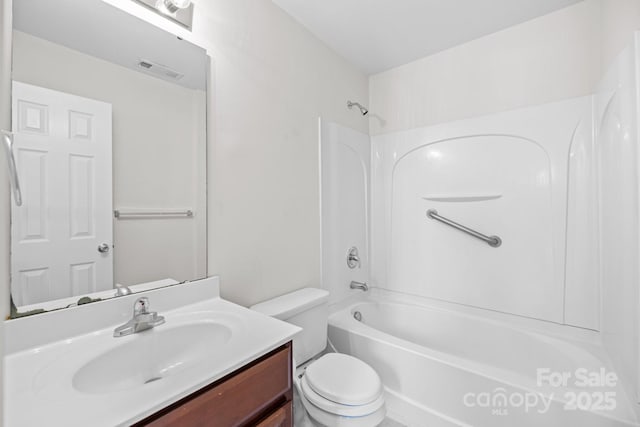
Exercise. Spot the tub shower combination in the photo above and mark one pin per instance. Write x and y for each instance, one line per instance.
(495, 292)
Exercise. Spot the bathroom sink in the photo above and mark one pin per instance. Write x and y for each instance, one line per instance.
(77, 374)
(150, 356)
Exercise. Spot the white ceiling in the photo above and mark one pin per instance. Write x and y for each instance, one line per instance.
(377, 35)
(103, 31)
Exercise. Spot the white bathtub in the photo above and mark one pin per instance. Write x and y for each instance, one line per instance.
(444, 367)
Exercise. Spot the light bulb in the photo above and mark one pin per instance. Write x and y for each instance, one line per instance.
(173, 5)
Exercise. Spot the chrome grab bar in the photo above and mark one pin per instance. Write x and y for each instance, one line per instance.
(13, 170)
(119, 214)
(493, 241)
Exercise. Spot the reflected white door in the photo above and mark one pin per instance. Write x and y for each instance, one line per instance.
(62, 146)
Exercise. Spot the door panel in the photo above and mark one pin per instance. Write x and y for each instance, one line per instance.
(33, 223)
(63, 153)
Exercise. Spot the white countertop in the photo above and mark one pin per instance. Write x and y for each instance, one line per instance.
(38, 381)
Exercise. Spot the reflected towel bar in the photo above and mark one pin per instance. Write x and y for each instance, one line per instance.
(493, 241)
(13, 171)
(152, 214)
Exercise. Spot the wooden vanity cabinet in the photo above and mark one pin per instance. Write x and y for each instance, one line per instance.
(258, 394)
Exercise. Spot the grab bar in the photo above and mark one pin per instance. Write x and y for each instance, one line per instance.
(13, 170)
(152, 214)
(493, 241)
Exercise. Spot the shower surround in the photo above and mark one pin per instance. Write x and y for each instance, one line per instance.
(558, 183)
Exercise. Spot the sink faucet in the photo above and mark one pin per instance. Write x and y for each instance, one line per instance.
(359, 285)
(142, 320)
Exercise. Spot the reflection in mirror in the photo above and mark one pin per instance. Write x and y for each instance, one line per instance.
(110, 144)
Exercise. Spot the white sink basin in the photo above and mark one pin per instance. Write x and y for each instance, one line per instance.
(150, 356)
(65, 368)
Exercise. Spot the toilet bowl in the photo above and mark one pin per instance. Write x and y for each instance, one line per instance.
(340, 390)
(335, 389)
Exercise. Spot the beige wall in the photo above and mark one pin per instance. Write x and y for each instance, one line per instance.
(550, 58)
(620, 18)
(271, 81)
(560, 55)
(156, 164)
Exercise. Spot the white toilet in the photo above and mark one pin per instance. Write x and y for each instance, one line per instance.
(335, 389)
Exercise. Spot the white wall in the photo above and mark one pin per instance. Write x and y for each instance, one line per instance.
(158, 163)
(554, 57)
(620, 18)
(272, 80)
(345, 166)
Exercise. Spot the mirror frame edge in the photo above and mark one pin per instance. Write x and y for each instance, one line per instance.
(6, 27)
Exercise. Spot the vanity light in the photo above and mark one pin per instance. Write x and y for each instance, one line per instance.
(179, 11)
(172, 6)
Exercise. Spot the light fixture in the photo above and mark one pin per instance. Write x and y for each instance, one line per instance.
(172, 6)
(179, 11)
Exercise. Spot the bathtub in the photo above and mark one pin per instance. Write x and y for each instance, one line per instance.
(447, 367)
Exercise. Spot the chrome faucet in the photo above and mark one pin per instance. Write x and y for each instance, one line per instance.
(359, 285)
(142, 320)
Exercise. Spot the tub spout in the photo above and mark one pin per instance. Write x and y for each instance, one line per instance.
(359, 285)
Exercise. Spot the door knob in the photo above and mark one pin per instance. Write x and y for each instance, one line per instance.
(103, 248)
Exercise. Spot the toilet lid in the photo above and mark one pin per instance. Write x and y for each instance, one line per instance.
(336, 408)
(344, 379)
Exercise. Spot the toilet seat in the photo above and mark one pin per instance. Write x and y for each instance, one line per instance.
(337, 408)
(343, 379)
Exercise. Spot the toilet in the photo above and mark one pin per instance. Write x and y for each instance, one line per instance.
(336, 389)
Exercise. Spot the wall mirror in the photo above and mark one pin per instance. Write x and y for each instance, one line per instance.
(109, 142)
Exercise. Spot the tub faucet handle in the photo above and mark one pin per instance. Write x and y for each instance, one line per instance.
(353, 259)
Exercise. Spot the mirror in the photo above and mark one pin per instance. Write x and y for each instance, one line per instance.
(109, 140)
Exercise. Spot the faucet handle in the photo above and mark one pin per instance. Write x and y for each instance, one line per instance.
(353, 259)
(141, 306)
(122, 290)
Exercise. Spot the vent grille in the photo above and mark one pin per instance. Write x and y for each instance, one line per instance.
(159, 70)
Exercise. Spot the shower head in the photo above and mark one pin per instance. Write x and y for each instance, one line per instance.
(363, 110)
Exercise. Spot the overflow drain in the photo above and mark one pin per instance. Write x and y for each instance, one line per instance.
(151, 380)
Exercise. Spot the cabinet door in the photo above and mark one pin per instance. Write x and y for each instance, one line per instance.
(282, 417)
(239, 400)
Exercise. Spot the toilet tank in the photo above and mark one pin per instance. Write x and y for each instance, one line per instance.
(307, 308)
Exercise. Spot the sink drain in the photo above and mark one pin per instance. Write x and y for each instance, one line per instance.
(357, 315)
(152, 380)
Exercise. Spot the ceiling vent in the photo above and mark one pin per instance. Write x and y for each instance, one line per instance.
(159, 70)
